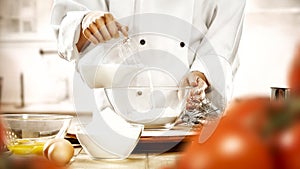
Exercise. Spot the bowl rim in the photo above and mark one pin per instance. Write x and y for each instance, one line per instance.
(36, 116)
(149, 87)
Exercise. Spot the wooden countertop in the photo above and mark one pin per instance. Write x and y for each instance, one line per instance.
(146, 155)
(151, 152)
(135, 161)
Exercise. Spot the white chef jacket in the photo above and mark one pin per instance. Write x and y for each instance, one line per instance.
(220, 22)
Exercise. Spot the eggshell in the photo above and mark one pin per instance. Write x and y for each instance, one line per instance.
(60, 152)
(48, 144)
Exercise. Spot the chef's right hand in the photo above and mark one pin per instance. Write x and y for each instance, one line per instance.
(99, 27)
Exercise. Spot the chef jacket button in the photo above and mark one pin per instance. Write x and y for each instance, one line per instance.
(142, 42)
(182, 44)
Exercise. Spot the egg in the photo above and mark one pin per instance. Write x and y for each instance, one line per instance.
(59, 151)
(48, 144)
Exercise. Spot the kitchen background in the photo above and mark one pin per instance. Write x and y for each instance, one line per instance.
(27, 51)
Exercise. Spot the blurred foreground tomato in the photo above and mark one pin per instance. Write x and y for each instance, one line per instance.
(286, 147)
(249, 112)
(2, 137)
(294, 73)
(277, 125)
(34, 162)
(229, 147)
(284, 135)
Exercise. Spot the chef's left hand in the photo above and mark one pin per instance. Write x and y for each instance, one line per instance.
(199, 82)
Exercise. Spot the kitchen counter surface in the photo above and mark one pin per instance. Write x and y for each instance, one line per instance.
(143, 156)
(81, 159)
(136, 161)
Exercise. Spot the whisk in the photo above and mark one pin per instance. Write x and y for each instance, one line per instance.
(203, 111)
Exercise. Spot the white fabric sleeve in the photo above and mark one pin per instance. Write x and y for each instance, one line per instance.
(66, 17)
(69, 35)
(224, 32)
(66, 20)
(217, 52)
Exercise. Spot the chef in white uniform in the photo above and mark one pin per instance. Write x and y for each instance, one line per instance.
(81, 25)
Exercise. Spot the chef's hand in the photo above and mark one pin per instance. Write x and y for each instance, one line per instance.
(199, 82)
(97, 27)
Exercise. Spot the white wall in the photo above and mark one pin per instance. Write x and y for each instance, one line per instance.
(271, 30)
(47, 78)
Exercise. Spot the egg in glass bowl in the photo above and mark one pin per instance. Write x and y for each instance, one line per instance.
(26, 134)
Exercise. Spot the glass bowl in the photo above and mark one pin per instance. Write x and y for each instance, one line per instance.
(27, 133)
(155, 107)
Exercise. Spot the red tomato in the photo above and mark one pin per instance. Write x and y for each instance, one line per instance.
(2, 137)
(286, 147)
(229, 147)
(249, 112)
(41, 162)
(35, 162)
(294, 73)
